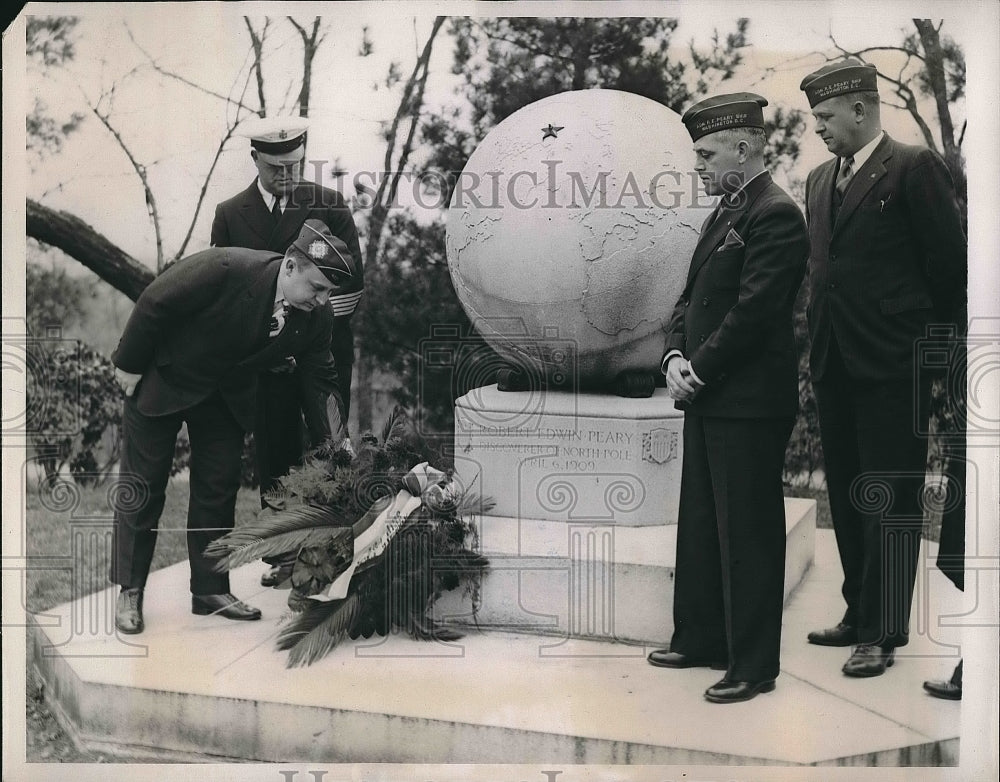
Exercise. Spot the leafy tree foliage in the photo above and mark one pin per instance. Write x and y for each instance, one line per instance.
(49, 42)
(53, 299)
(509, 62)
(412, 325)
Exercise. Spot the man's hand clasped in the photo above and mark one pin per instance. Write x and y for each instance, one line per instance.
(681, 383)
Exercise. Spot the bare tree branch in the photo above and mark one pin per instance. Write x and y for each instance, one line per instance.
(409, 109)
(201, 194)
(182, 79)
(140, 169)
(901, 88)
(310, 44)
(238, 103)
(257, 41)
(80, 241)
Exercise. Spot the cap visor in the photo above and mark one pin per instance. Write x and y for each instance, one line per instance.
(284, 159)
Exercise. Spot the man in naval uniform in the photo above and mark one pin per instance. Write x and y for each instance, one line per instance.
(268, 215)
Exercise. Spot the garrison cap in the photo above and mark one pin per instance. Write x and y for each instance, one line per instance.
(278, 140)
(839, 78)
(328, 252)
(721, 112)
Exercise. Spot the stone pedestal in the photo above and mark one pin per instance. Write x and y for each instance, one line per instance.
(600, 581)
(559, 456)
(582, 540)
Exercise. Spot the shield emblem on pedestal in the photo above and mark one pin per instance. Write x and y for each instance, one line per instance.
(659, 446)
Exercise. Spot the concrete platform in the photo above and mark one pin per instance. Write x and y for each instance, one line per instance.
(606, 582)
(202, 688)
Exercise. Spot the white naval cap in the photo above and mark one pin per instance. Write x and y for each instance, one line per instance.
(278, 140)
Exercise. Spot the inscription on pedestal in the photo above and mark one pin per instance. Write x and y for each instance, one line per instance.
(559, 462)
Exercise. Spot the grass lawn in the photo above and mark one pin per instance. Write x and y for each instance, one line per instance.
(48, 535)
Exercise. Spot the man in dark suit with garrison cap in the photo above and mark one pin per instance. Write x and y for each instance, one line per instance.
(730, 363)
(197, 340)
(267, 216)
(888, 259)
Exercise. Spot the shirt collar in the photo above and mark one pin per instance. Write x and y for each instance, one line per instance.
(269, 197)
(279, 294)
(730, 198)
(862, 155)
(751, 179)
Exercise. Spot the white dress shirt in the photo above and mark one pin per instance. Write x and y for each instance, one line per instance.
(862, 155)
(269, 198)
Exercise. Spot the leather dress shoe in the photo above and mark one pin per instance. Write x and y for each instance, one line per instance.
(869, 660)
(225, 605)
(663, 658)
(950, 690)
(728, 691)
(841, 635)
(128, 611)
(277, 575)
(946, 690)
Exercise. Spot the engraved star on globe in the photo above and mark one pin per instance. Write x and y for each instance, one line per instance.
(569, 248)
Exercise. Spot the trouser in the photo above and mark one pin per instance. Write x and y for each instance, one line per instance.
(875, 459)
(278, 431)
(148, 444)
(730, 570)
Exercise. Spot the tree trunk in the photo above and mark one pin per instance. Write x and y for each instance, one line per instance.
(409, 109)
(363, 373)
(310, 44)
(258, 61)
(934, 63)
(81, 242)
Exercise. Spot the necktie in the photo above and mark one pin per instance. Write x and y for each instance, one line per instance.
(277, 319)
(844, 177)
(276, 209)
(724, 203)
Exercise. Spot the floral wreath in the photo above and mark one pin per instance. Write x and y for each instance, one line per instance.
(376, 537)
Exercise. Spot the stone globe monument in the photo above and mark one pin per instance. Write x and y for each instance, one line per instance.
(569, 236)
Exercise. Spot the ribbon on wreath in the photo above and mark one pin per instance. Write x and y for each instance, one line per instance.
(422, 483)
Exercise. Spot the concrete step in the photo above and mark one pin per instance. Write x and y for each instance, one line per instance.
(591, 580)
(204, 688)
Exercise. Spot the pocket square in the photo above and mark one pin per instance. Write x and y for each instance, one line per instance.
(733, 240)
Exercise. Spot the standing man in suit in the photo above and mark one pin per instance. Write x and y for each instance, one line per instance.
(267, 216)
(730, 363)
(191, 352)
(888, 259)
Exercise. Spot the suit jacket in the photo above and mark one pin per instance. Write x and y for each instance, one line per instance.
(202, 326)
(891, 261)
(244, 221)
(734, 318)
